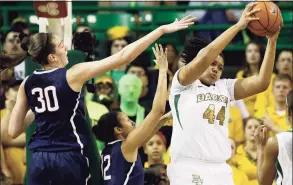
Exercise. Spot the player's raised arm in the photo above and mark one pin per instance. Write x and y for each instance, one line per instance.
(18, 114)
(259, 83)
(137, 137)
(80, 73)
(198, 64)
(267, 153)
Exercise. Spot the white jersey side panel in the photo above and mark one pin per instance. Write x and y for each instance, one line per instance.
(200, 120)
(284, 160)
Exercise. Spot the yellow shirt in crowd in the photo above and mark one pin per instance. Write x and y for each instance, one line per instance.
(266, 98)
(249, 101)
(280, 120)
(239, 177)
(245, 164)
(259, 101)
(14, 157)
(235, 126)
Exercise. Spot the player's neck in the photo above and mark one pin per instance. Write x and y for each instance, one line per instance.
(280, 106)
(121, 138)
(130, 108)
(51, 66)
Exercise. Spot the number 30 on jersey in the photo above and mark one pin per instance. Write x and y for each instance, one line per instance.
(46, 103)
(209, 114)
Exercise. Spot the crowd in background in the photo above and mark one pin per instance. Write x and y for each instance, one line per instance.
(131, 89)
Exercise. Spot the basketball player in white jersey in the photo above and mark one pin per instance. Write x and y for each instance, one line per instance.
(275, 154)
(199, 102)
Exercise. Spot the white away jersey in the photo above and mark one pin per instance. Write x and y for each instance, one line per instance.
(200, 120)
(284, 160)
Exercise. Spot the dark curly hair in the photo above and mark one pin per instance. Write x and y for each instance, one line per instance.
(104, 130)
(192, 46)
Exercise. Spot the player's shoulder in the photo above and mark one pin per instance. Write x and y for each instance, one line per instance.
(225, 82)
(272, 146)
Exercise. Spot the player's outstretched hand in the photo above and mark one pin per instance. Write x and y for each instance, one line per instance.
(261, 136)
(161, 57)
(247, 15)
(179, 25)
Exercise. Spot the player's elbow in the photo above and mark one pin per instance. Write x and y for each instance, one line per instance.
(13, 133)
(264, 85)
(126, 57)
(158, 112)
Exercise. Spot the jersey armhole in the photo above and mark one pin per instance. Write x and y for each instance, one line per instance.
(124, 156)
(68, 83)
(176, 86)
(24, 85)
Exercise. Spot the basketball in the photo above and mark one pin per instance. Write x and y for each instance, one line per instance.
(270, 18)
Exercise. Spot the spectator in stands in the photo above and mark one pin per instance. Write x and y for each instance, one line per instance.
(101, 101)
(239, 177)
(254, 53)
(129, 89)
(13, 148)
(235, 126)
(5, 174)
(105, 91)
(215, 16)
(156, 174)
(11, 45)
(174, 58)
(118, 38)
(83, 27)
(19, 24)
(139, 68)
(284, 65)
(246, 156)
(155, 149)
(274, 117)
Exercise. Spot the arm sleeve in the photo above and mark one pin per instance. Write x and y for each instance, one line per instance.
(241, 106)
(176, 87)
(230, 83)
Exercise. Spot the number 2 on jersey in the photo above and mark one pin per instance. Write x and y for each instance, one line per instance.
(107, 159)
(209, 114)
(46, 105)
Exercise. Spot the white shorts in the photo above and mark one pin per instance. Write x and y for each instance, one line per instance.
(190, 172)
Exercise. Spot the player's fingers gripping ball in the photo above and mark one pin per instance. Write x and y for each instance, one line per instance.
(270, 19)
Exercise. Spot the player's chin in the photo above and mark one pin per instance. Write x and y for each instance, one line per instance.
(212, 80)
